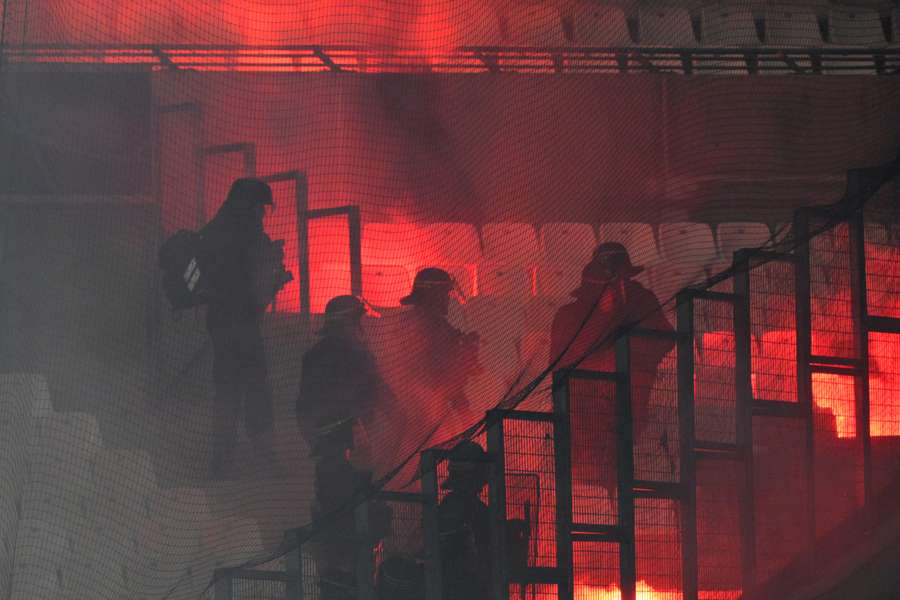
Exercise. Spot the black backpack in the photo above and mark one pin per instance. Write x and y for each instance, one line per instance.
(181, 263)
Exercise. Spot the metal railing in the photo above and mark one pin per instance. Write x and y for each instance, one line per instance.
(465, 59)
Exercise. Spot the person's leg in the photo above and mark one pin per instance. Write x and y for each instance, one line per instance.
(257, 401)
(226, 403)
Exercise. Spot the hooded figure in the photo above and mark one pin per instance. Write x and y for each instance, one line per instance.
(607, 299)
(233, 242)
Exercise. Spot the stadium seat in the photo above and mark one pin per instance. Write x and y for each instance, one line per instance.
(600, 26)
(510, 244)
(456, 249)
(687, 245)
(792, 26)
(726, 26)
(23, 399)
(855, 26)
(735, 236)
(384, 285)
(637, 239)
(568, 243)
(504, 280)
(56, 508)
(124, 494)
(499, 325)
(533, 25)
(391, 244)
(475, 24)
(557, 281)
(170, 541)
(895, 27)
(666, 26)
(454, 243)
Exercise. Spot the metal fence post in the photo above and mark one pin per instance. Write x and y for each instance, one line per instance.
(497, 504)
(434, 588)
(223, 587)
(858, 294)
(744, 415)
(563, 466)
(688, 476)
(294, 565)
(365, 567)
(804, 373)
(627, 560)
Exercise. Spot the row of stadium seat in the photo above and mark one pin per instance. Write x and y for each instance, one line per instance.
(514, 260)
(78, 520)
(721, 26)
(519, 24)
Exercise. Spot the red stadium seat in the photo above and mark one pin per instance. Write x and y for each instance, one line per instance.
(384, 285)
(568, 243)
(666, 26)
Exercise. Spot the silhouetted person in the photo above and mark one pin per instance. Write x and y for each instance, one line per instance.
(339, 387)
(449, 357)
(464, 526)
(608, 298)
(240, 261)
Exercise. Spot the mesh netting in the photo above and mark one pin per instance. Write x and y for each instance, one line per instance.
(398, 136)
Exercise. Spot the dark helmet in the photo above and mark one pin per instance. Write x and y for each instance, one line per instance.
(342, 310)
(341, 307)
(467, 466)
(616, 255)
(427, 281)
(250, 190)
(400, 578)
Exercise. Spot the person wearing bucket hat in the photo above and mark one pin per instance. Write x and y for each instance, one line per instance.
(607, 299)
(464, 525)
(339, 387)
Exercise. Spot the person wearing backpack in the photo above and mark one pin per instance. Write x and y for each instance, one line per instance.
(239, 260)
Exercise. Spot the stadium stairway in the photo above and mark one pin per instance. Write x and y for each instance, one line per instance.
(80, 520)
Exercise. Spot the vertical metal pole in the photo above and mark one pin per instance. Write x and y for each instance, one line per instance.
(224, 588)
(562, 451)
(625, 452)
(804, 373)
(301, 189)
(294, 565)
(497, 505)
(365, 566)
(688, 476)
(430, 527)
(744, 416)
(354, 222)
(858, 294)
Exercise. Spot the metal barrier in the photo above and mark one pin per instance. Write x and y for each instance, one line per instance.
(466, 59)
(247, 584)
